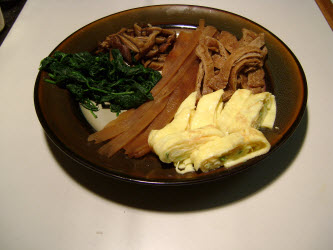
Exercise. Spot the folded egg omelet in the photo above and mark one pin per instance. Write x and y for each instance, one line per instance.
(210, 134)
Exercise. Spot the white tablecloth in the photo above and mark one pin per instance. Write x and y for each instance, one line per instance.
(50, 202)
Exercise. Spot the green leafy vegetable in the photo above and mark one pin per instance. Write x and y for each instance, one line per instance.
(94, 79)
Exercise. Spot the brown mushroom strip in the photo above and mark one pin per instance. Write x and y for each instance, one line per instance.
(153, 52)
(115, 42)
(147, 63)
(168, 43)
(161, 58)
(152, 29)
(138, 43)
(140, 39)
(168, 32)
(130, 32)
(148, 45)
(160, 39)
(155, 65)
(137, 29)
(129, 44)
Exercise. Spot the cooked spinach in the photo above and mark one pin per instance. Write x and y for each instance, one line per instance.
(94, 79)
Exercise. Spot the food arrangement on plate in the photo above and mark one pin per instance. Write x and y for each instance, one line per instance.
(205, 110)
(193, 97)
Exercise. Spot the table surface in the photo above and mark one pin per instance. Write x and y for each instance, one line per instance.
(51, 202)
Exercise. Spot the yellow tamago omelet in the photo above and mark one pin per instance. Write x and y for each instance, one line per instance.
(212, 134)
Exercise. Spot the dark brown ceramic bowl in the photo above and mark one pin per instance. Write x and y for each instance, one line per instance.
(66, 126)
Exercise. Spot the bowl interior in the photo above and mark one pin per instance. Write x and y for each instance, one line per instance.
(65, 124)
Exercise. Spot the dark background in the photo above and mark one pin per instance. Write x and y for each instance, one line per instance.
(10, 11)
